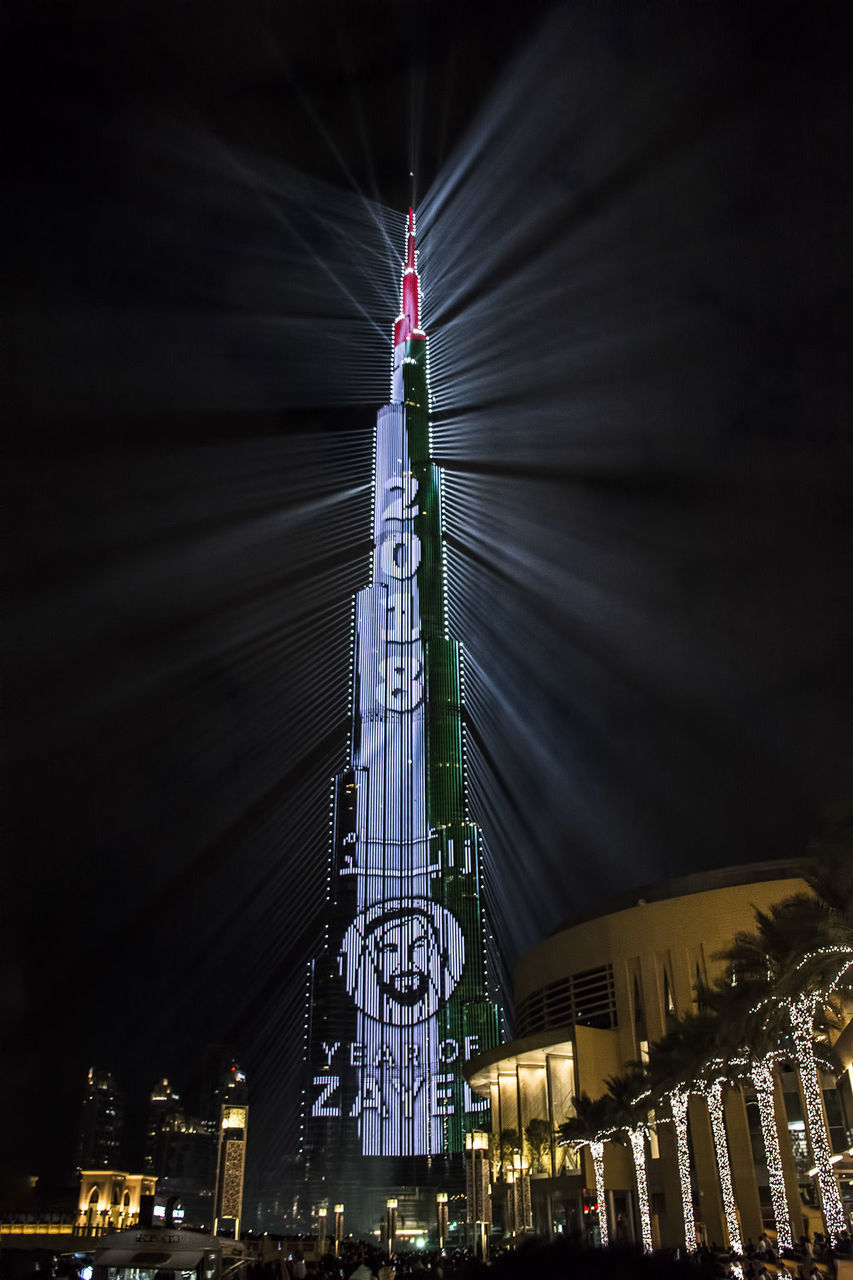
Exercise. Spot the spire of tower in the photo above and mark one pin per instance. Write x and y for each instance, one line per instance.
(410, 239)
(407, 323)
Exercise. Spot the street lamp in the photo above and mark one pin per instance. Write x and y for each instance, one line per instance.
(511, 1218)
(523, 1216)
(339, 1226)
(441, 1217)
(391, 1220)
(477, 1186)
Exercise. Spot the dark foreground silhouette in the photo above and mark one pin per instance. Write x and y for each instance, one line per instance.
(566, 1260)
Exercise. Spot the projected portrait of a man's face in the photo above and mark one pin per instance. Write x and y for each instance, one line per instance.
(401, 960)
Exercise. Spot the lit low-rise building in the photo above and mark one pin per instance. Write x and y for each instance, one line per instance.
(592, 998)
(111, 1200)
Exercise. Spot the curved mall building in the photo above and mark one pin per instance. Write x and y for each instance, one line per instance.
(590, 999)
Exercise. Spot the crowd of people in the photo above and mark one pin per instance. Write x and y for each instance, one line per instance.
(565, 1258)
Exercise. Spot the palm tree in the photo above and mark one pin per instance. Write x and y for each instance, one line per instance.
(592, 1118)
(679, 1099)
(675, 1061)
(754, 1061)
(712, 1087)
(801, 951)
(627, 1093)
(694, 1057)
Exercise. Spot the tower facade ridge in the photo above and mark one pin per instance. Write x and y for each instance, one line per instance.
(400, 993)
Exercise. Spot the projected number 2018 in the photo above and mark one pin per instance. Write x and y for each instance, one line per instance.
(400, 686)
(399, 545)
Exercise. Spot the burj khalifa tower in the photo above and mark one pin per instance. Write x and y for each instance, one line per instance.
(401, 993)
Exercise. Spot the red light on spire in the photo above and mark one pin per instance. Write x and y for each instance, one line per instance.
(407, 323)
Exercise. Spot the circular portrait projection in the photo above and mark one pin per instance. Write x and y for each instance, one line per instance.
(401, 959)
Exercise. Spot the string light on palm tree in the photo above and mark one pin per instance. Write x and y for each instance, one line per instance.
(637, 1138)
(596, 1150)
(761, 1076)
(794, 978)
(628, 1094)
(802, 1013)
(676, 1063)
(753, 1061)
(591, 1126)
(810, 984)
(714, 1097)
(678, 1101)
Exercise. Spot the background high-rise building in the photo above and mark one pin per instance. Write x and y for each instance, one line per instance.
(400, 993)
(101, 1121)
(165, 1116)
(221, 1080)
(186, 1146)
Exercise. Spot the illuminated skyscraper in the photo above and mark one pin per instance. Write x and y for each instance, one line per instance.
(165, 1117)
(102, 1117)
(400, 995)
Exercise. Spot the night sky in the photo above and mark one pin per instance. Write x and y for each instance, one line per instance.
(635, 250)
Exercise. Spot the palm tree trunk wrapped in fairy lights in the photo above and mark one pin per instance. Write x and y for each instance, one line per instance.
(618, 1114)
(800, 953)
(592, 1117)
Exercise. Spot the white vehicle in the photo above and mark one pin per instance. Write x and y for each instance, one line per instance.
(164, 1253)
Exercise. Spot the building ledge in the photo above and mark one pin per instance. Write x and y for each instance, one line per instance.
(481, 1071)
